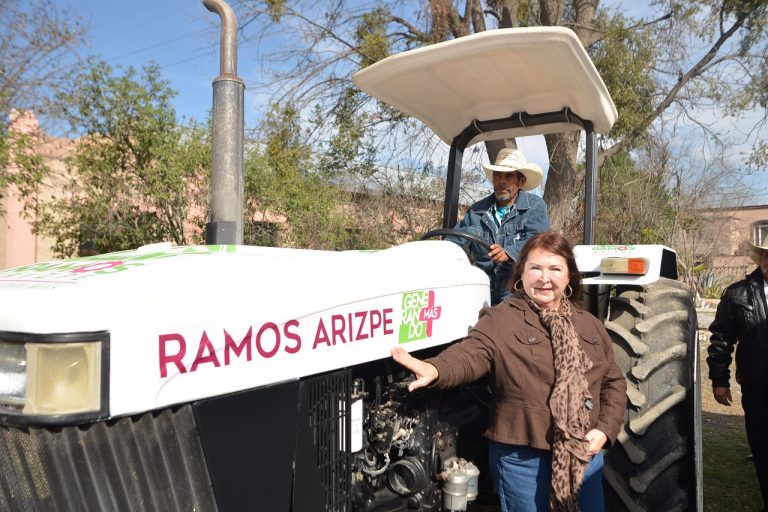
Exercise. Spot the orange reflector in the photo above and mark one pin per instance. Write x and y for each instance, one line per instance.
(631, 266)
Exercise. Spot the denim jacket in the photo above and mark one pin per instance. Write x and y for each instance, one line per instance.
(528, 217)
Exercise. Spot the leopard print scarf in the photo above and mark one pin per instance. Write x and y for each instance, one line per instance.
(570, 404)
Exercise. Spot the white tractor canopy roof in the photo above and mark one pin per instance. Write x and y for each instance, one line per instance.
(493, 75)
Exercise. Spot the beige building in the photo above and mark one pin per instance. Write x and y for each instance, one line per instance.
(730, 230)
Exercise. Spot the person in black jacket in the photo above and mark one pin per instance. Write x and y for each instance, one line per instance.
(741, 320)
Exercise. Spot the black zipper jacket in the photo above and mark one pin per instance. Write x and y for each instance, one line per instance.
(741, 320)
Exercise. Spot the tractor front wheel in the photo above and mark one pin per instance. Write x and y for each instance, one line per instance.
(656, 463)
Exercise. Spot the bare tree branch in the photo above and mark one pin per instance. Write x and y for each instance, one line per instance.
(683, 79)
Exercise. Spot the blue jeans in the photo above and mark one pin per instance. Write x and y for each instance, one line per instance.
(522, 476)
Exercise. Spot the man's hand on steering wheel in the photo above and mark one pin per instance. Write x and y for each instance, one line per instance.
(495, 251)
(466, 235)
(498, 254)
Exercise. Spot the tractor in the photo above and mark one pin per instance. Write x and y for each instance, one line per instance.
(228, 377)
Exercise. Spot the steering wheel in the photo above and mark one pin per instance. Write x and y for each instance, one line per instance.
(457, 233)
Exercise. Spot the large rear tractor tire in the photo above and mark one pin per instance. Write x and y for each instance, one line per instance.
(655, 465)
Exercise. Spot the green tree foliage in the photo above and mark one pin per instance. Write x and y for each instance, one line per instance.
(371, 37)
(386, 205)
(624, 57)
(281, 181)
(348, 152)
(36, 40)
(336, 198)
(135, 174)
(634, 204)
(684, 59)
(708, 56)
(22, 169)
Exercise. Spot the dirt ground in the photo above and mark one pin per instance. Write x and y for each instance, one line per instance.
(713, 414)
(729, 479)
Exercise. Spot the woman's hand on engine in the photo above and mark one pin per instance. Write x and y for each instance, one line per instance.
(426, 373)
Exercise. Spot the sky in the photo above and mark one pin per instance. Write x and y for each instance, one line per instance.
(182, 36)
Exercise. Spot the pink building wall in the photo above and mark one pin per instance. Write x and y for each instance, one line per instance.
(18, 244)
(731, 229)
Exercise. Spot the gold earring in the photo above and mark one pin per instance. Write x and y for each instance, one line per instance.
(520, 282)
(568, 293)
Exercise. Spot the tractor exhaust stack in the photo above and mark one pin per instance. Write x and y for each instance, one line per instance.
(226, 221)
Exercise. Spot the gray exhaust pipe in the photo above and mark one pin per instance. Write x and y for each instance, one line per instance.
(226, 223)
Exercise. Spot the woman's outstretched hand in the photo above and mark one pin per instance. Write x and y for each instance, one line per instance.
(426, 373)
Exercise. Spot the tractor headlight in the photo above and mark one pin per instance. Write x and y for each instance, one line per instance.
(62, 378)
(13, 374)
(52, 376)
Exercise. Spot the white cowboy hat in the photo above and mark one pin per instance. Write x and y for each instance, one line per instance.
(509, 160)
(756, 251)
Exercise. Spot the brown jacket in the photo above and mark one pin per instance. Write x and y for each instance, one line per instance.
(511, 344)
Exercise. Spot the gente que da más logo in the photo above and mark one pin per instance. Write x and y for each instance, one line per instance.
(419, 313)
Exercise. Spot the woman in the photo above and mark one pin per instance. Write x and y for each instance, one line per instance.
(559, 397)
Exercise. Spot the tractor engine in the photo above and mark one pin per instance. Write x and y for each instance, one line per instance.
(402, 450)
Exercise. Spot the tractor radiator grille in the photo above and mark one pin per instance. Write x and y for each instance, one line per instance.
(329, 421)
(152, 462)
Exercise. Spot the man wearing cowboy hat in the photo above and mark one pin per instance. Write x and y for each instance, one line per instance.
(506, 218)
(741, 320)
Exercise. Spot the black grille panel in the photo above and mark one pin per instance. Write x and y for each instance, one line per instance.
(329, 421)
(152, 462)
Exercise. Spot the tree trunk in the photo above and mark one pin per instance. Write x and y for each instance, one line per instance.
(478, 19)
(508, 20)
(551, 11)
(563, 186)
(447, 21)
(563, 182)
(494, 146)
(508, 13)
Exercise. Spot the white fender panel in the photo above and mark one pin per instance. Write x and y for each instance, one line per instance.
(661, 263)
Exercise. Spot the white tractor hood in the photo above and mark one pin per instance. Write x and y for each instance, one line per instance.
(179, 319)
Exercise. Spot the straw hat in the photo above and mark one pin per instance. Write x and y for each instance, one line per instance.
(510, 160)
(756, 251)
